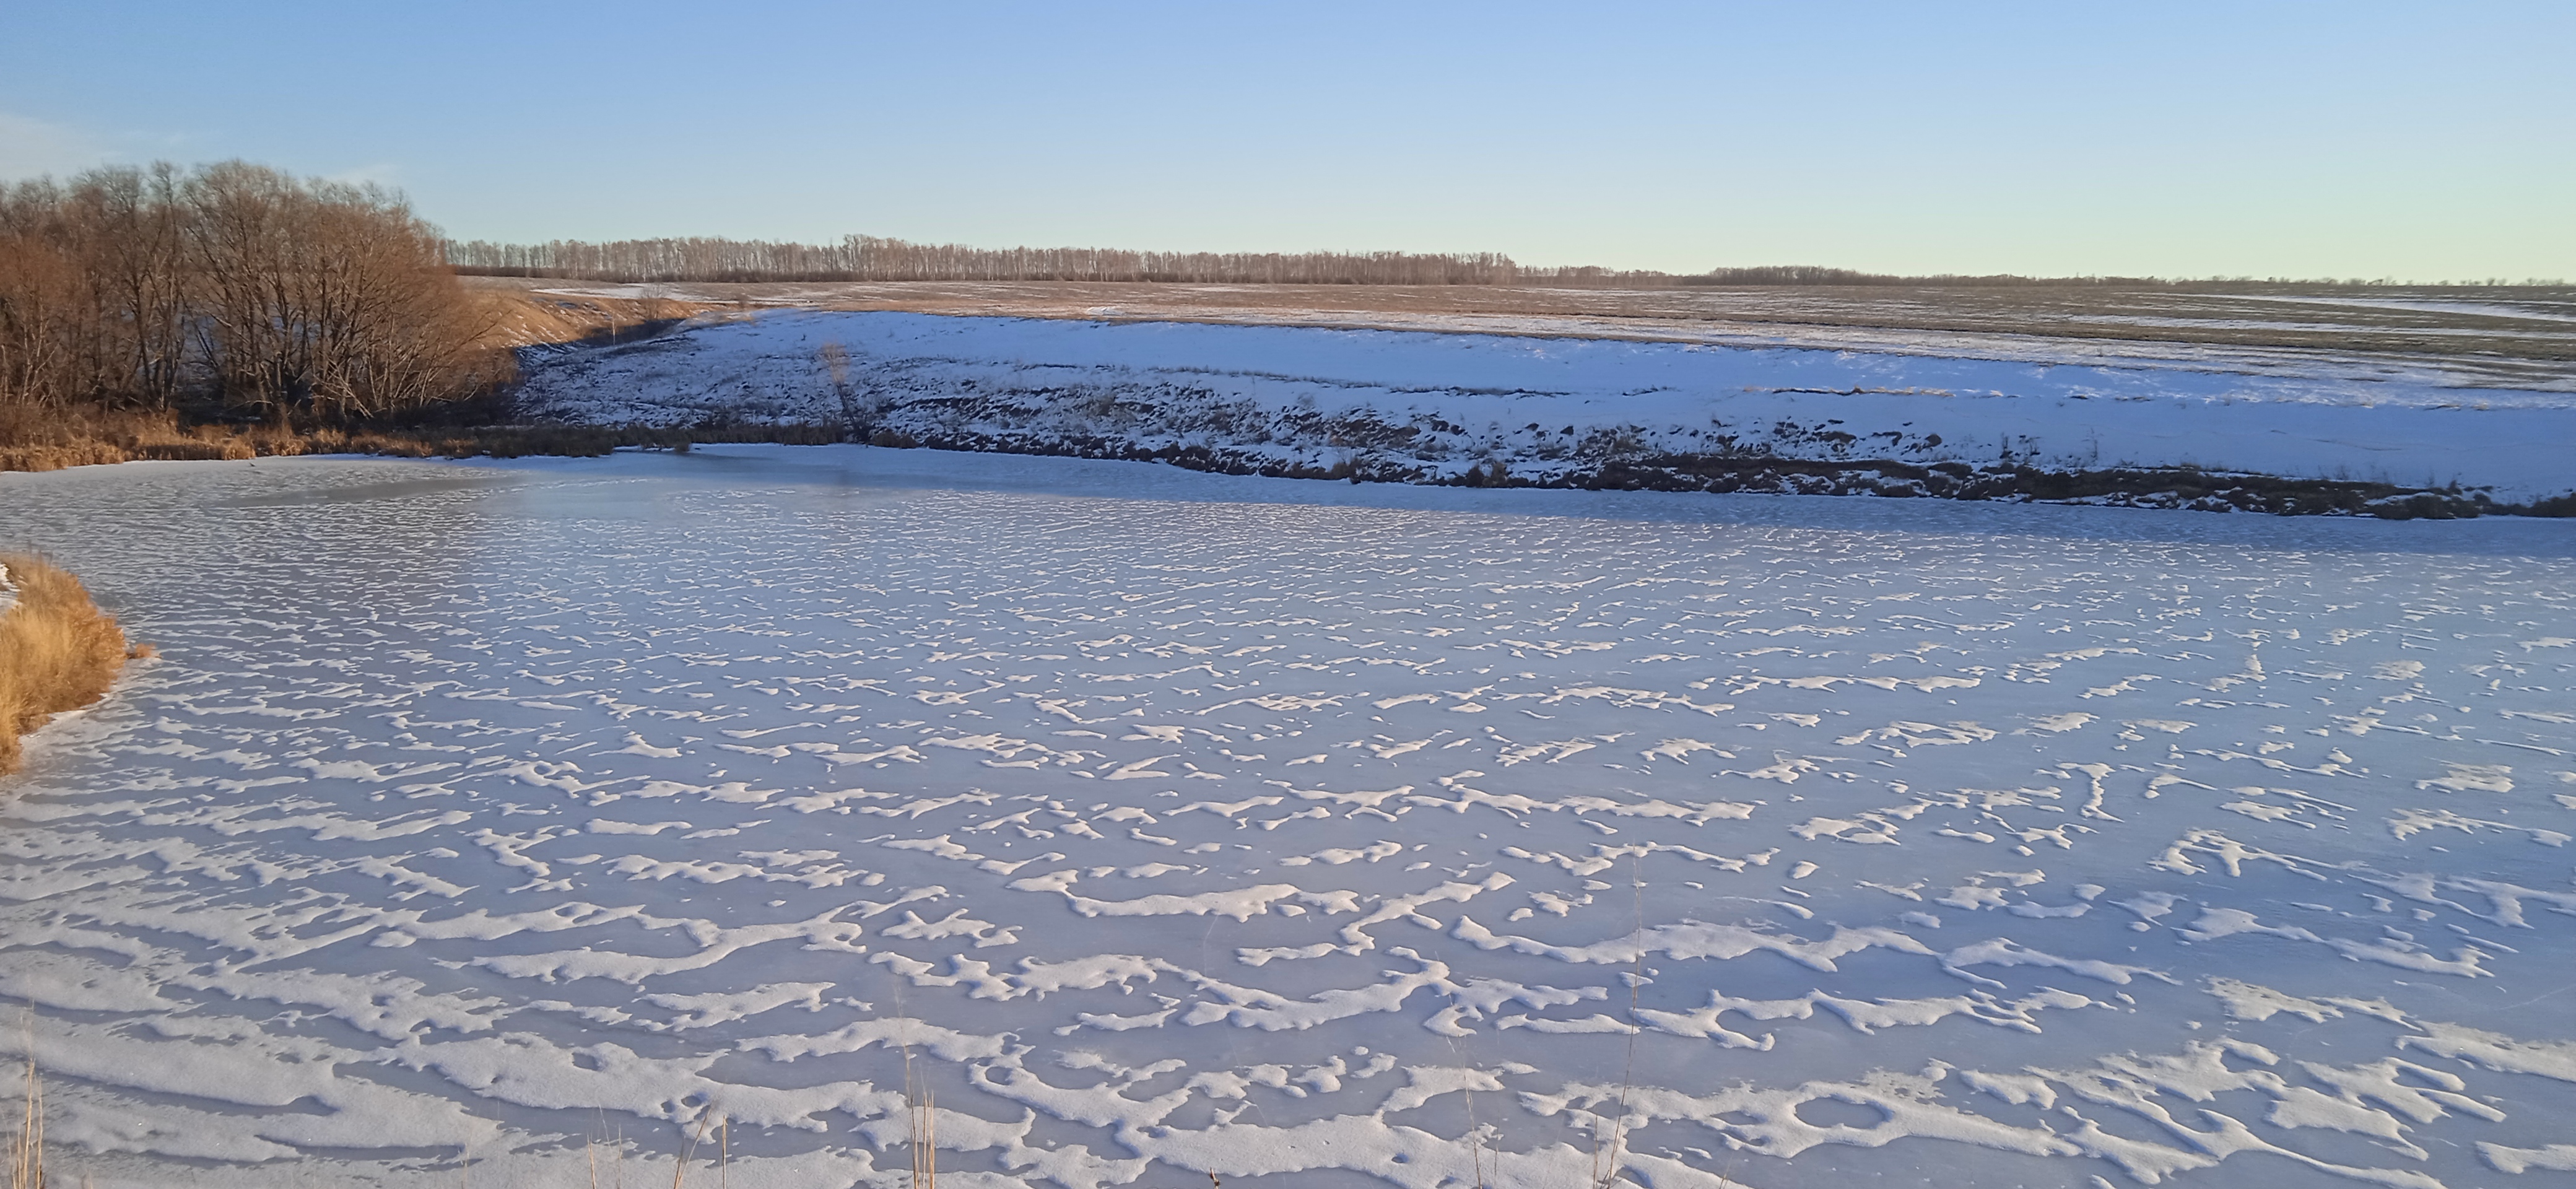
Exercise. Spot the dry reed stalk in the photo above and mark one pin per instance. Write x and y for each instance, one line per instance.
(1636, 980)
(27, 1151)
(689, 1153)
(925, 1126)
(925, 1143)
(917, 1099)
(58, 651)
(1606, 1163)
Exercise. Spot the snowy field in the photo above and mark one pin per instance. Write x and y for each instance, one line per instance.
(2455, 338)
(1420, 407)
(1303, 834)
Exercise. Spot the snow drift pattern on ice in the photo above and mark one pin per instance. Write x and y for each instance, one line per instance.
(1439, 837)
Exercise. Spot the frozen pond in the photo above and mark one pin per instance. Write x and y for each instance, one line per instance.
(1302, 833)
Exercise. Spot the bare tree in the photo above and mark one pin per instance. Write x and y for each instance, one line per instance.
(233, 283)
(41, 307)
(133, 232)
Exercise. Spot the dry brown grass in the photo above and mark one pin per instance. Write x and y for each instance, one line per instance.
(520, 315)
(58, 651)
(47, 439)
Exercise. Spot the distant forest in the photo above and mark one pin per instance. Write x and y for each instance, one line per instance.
(870, 258)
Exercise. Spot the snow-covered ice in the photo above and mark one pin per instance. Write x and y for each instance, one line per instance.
(1298, 833)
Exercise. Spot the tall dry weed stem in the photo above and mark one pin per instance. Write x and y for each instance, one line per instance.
(925, 1143)
(27, 1151)
(924, 1114)
(925, 1125)
(58, 651)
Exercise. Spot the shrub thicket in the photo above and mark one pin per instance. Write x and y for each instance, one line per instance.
(233, 291)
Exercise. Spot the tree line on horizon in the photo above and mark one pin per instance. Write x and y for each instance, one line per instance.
(874, 258)
(232, 289)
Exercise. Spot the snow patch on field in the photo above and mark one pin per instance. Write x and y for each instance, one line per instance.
(1434, 406)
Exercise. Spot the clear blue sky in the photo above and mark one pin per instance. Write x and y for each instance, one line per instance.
(2310, 139)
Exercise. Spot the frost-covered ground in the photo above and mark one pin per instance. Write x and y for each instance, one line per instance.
(1303, 834)
(1427, 407)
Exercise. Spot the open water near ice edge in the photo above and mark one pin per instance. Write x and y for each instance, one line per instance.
(1299, 833)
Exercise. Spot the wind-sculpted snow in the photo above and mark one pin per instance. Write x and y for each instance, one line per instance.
(1173, 825)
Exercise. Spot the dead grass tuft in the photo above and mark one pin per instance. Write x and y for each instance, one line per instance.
(27, 1149)
(58, 651)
